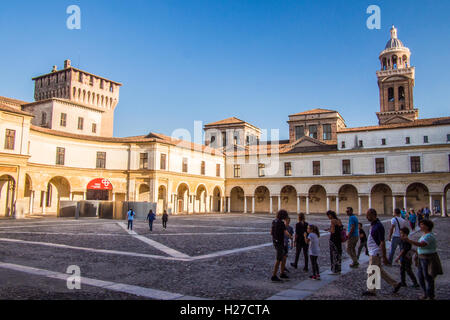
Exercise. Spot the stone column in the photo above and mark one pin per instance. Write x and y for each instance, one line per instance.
(271, 204)
(328, 203)
(85, 195)
(193, 203)
(222, 204)
(298, 204)
(229, 204)
(431, 203)
(370, 201)
(394, 204)
(114, 196)
(245, 204)
(337, 204)
(253, 204)
(359, 206)
(30, 211)
(307, 204)
(279, 202)
(405, 204)
(44, 202)
(444, 205)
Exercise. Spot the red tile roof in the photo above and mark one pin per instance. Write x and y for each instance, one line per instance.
(232, 120)
(4, 107)
(313, 111)
(412, 124)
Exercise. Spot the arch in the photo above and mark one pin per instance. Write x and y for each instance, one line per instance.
(7, 195)
(348, 197)
(394, 61)
(381, 199)
(79, 93)
(262, 199)
(162, 199)
(200, 198)
(317, 199)
(401, 93)
(216, 199)
(183, 196)
(144, 192)
(391, 94)
(58, 188)
(417, 196)
(237, 199)
(288, 198)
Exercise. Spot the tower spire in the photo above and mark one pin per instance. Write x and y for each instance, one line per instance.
(393, 32)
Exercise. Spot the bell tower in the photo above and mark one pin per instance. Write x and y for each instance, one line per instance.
(396, 83)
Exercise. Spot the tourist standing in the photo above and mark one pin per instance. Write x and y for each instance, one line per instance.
(312, 239)
(426, 213)
(335, 242)
(287, 239)
(412, 220)
(352, 237)
(130, 217)
(300, 243)
(278, 233)
(151, 217)
(394, 233)
(362, 240)
(429, 263)
(165, 218)
(377, 251)
(405, 258)
(403, 213)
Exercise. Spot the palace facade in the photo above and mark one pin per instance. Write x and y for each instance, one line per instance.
(61, 147)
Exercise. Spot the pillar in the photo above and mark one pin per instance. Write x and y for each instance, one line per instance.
(245, 204)
(444, 205)
(337, 204)
(328, 203)
(222, 204)
(85, 195)
(405, 205)
(253, 204)
(369, 199)
(44, 202)
(431, 204)
(193, 203)
(298, 204)
(271, 204)
(71, 196)
(30, 211)
(279, 202)
(229, 204)
(114, 196)
(359, 206)
(394, 204)
(307, 204)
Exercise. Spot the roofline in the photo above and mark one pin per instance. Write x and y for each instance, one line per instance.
(66, 101)
(79, 70)
(400, 126)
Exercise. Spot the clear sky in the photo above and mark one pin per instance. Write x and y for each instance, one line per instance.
(259, 60)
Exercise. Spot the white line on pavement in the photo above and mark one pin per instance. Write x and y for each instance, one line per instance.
(107, 285)
(227, 252)
(55, 225)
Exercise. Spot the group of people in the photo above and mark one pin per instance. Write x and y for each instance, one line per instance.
(306, 237)
(151, 217)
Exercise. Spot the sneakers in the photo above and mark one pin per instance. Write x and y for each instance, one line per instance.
(293, 265)
(284, 276)
(275, 279)
(315, 277)
(397, 287)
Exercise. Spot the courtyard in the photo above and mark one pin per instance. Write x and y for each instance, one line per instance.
(214, 256)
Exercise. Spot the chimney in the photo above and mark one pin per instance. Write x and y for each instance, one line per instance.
(67, 64)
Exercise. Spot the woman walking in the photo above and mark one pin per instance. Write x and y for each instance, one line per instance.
(312, 239)
(300, 243)
(335, 229)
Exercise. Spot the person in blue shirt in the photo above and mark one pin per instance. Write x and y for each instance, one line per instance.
(151, 217)
(412, 219)
(130, 216)
(353, 237)
(403, 213)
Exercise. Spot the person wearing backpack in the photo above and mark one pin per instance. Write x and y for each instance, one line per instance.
(278, 232)
(337, 236)
(397, 223)
(353, 237)
(151, 217)
(165, 218)
(130, 217)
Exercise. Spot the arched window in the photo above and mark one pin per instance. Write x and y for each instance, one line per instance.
(74, 92)
(394, 61)
(384, 66)
(401, 94)
(391, 94)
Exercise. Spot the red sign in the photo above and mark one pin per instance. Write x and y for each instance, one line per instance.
(99, 184)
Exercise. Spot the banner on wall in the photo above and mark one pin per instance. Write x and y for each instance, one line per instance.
(99, 184)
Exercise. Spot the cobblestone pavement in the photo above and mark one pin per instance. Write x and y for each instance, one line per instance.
(214, 256)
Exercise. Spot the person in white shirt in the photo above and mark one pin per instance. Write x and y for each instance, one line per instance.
(397, 223)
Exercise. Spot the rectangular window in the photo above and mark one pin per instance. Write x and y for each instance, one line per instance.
(63, 121)
(10, 139)
(60, 155)
(343, 145)
(218, 170)
(316, 168)
(379, 165)
(203, 168)
(313, 131)
(94, 128)
(448, 138)
(101, 160)
(143, 161)
(299, 132)
(327, 132)
(346, 167)
(162, 161)
(80, 77)
(383, 142)
(43, 119)
(102, 85)
(425, 139)
(237, 170)
(288, 169)
(80, 123)
(261, 168)
(415, 164)
(224, 139)
(185, 165)
(408, 140)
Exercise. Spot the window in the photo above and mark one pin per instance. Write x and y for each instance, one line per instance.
(415, 164)
(143, 161)
(425, 139)
(10, 139)
(63, 121)
(379, 165)
(346, 167)
(327, 132)
(448, 137)
(162, 164)
(43, 118)
(237, 170)
(111, 88)
(202, 168)
(102, 84)
(360, 144)
(261, 168)
(313, 131)
(101, 160)
(299, 132)
(218, 170)
(224, 139)
(287, 169)
(60, 155)
(94, 128)
(316, 168)
(185, 165)
(80, 77)
(383, 142)
(343, 145)
(91, 81)
(236, 140)
(247, 140)
(401, 94)
(408, 140)
(213, 139)
(80, 123)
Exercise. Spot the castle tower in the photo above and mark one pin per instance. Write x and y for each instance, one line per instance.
(396, 83)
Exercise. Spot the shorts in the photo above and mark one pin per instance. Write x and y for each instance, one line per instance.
(281, 250)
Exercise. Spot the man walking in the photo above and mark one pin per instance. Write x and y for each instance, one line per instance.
(397, 223)
(151, 217)
(353, 237)
(377, 252)
(165, 218)
(300, 243)
(130, 216)
(278, 233)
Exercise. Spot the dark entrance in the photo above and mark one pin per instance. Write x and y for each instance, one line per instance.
(97, 195)
(99, 189)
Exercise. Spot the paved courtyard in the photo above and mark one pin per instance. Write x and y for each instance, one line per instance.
(217, 256)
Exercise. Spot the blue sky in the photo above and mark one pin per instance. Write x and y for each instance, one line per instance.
(258, 60)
